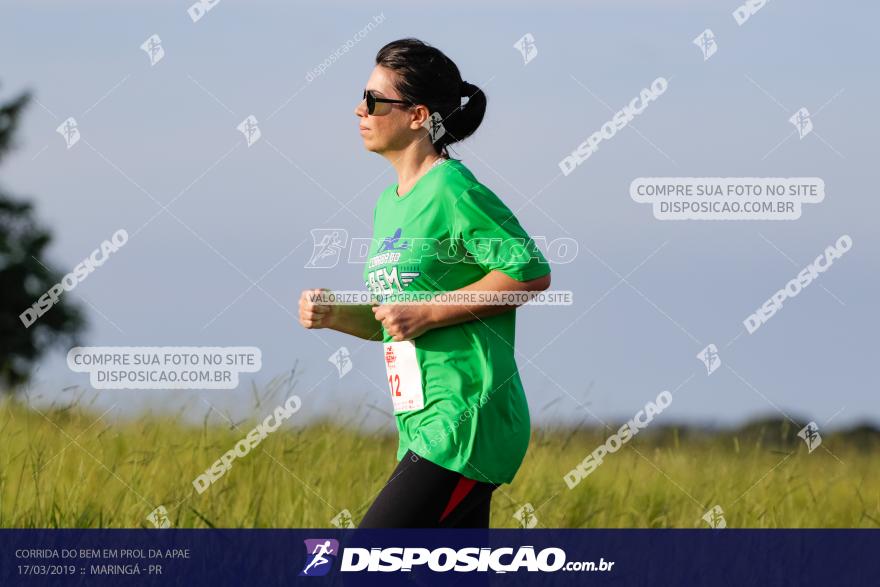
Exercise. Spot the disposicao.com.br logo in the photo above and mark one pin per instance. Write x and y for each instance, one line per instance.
(322, 553)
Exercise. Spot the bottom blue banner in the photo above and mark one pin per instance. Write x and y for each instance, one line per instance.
(428, 557)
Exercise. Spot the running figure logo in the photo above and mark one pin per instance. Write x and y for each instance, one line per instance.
(321, 554)
(70, 131)
(802, 122)
(715, 518)
(250, 129)
(810, 434)
(435, 127)
(526, 516)
(153, 48)
(710, 357)
(526, 46)
(706, 43)
(327, 245)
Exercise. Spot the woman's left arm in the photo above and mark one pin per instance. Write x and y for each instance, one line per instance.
(407, 321)
(447, 314)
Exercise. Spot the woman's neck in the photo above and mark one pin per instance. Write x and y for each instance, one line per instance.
(410, 169)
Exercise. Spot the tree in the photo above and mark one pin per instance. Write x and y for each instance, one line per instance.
(25, 275)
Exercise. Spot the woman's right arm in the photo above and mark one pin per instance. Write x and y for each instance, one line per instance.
(354, 319)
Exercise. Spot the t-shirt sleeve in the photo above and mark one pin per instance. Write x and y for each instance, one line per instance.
(494, 238)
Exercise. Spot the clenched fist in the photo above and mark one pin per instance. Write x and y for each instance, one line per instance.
(404, 321)
(315, 313)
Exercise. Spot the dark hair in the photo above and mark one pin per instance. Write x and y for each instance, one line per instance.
(426, 76)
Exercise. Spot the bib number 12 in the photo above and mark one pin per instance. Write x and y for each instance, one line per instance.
(404, 376)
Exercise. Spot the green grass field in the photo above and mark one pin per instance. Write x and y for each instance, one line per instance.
(66, 468)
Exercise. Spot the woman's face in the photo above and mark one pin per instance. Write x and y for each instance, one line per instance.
(386, 132)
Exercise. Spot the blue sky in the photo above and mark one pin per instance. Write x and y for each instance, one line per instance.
(243, 214)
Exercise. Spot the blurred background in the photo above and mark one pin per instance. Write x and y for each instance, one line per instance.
(224, 264)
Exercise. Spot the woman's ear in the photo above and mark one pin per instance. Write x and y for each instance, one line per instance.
(419, 114)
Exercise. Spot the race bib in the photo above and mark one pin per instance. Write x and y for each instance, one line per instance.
(404, 376)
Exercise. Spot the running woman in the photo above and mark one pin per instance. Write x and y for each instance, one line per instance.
(459, 404)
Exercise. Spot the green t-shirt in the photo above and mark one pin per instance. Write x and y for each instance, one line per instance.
(439, 237)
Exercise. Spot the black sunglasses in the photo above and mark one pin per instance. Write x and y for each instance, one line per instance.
(372, 100)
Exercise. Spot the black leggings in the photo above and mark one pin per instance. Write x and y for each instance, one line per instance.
(420, 494)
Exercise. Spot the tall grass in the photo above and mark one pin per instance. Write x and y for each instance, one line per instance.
(68, 468)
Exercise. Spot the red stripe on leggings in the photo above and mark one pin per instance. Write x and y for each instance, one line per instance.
(461, 490)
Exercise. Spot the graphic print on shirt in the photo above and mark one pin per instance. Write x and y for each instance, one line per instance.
(387, 274)
(388, 243)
